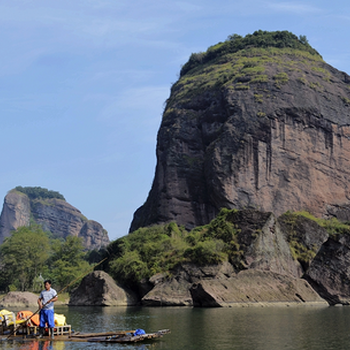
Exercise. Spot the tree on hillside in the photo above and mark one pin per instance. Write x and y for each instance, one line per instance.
(23, 256)
(68, 261)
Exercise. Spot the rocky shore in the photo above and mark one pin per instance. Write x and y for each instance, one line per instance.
(22, 300)
(289, 260)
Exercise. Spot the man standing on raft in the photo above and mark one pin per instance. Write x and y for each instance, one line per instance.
(45, 302)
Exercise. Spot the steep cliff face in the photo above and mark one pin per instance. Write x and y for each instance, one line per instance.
(256, 127)
(54, 215)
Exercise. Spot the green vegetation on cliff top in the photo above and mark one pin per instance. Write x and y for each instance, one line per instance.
(333, 226)
(259, 39)
(243, 63)
(39, 192)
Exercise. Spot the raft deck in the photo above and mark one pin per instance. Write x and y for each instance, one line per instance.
(105, 337)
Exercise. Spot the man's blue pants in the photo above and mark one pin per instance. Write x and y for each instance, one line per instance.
(47, 316)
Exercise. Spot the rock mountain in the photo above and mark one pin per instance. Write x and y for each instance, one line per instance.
(53, 214)
(260, 122)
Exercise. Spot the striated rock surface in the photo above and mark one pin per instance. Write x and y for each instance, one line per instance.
(54, 215)
(304, 236)
(329, 272)
(253, 286)
(15, 213)
(99, 289)
(252, 126)
(57, 216)
(263, 243)
(169, 292)
(175, 291)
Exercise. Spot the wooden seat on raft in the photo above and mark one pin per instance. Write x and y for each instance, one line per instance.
(58, 330)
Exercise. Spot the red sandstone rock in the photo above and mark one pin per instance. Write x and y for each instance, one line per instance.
(273, 146)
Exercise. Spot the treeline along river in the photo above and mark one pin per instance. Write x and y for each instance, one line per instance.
(239, 328)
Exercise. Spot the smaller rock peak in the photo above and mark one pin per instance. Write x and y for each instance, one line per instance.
(50, 210)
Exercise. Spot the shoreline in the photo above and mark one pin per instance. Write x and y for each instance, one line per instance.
(29, 304)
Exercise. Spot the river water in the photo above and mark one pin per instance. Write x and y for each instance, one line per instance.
(239, 328)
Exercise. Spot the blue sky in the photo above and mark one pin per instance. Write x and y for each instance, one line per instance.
(83, 85)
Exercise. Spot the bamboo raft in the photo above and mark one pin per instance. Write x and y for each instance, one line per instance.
(25, 328)
(104, 337)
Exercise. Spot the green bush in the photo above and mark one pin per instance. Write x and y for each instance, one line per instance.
(259, 78)
(147, 251)
(334, 227)
(221, 228)
(281, 78)
(129, 268)
(12, 288)
(206, 253)
(240, 86)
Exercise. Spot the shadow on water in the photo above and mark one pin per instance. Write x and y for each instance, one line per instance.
(240, 328)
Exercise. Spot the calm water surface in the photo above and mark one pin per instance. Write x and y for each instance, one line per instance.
(249, 328)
